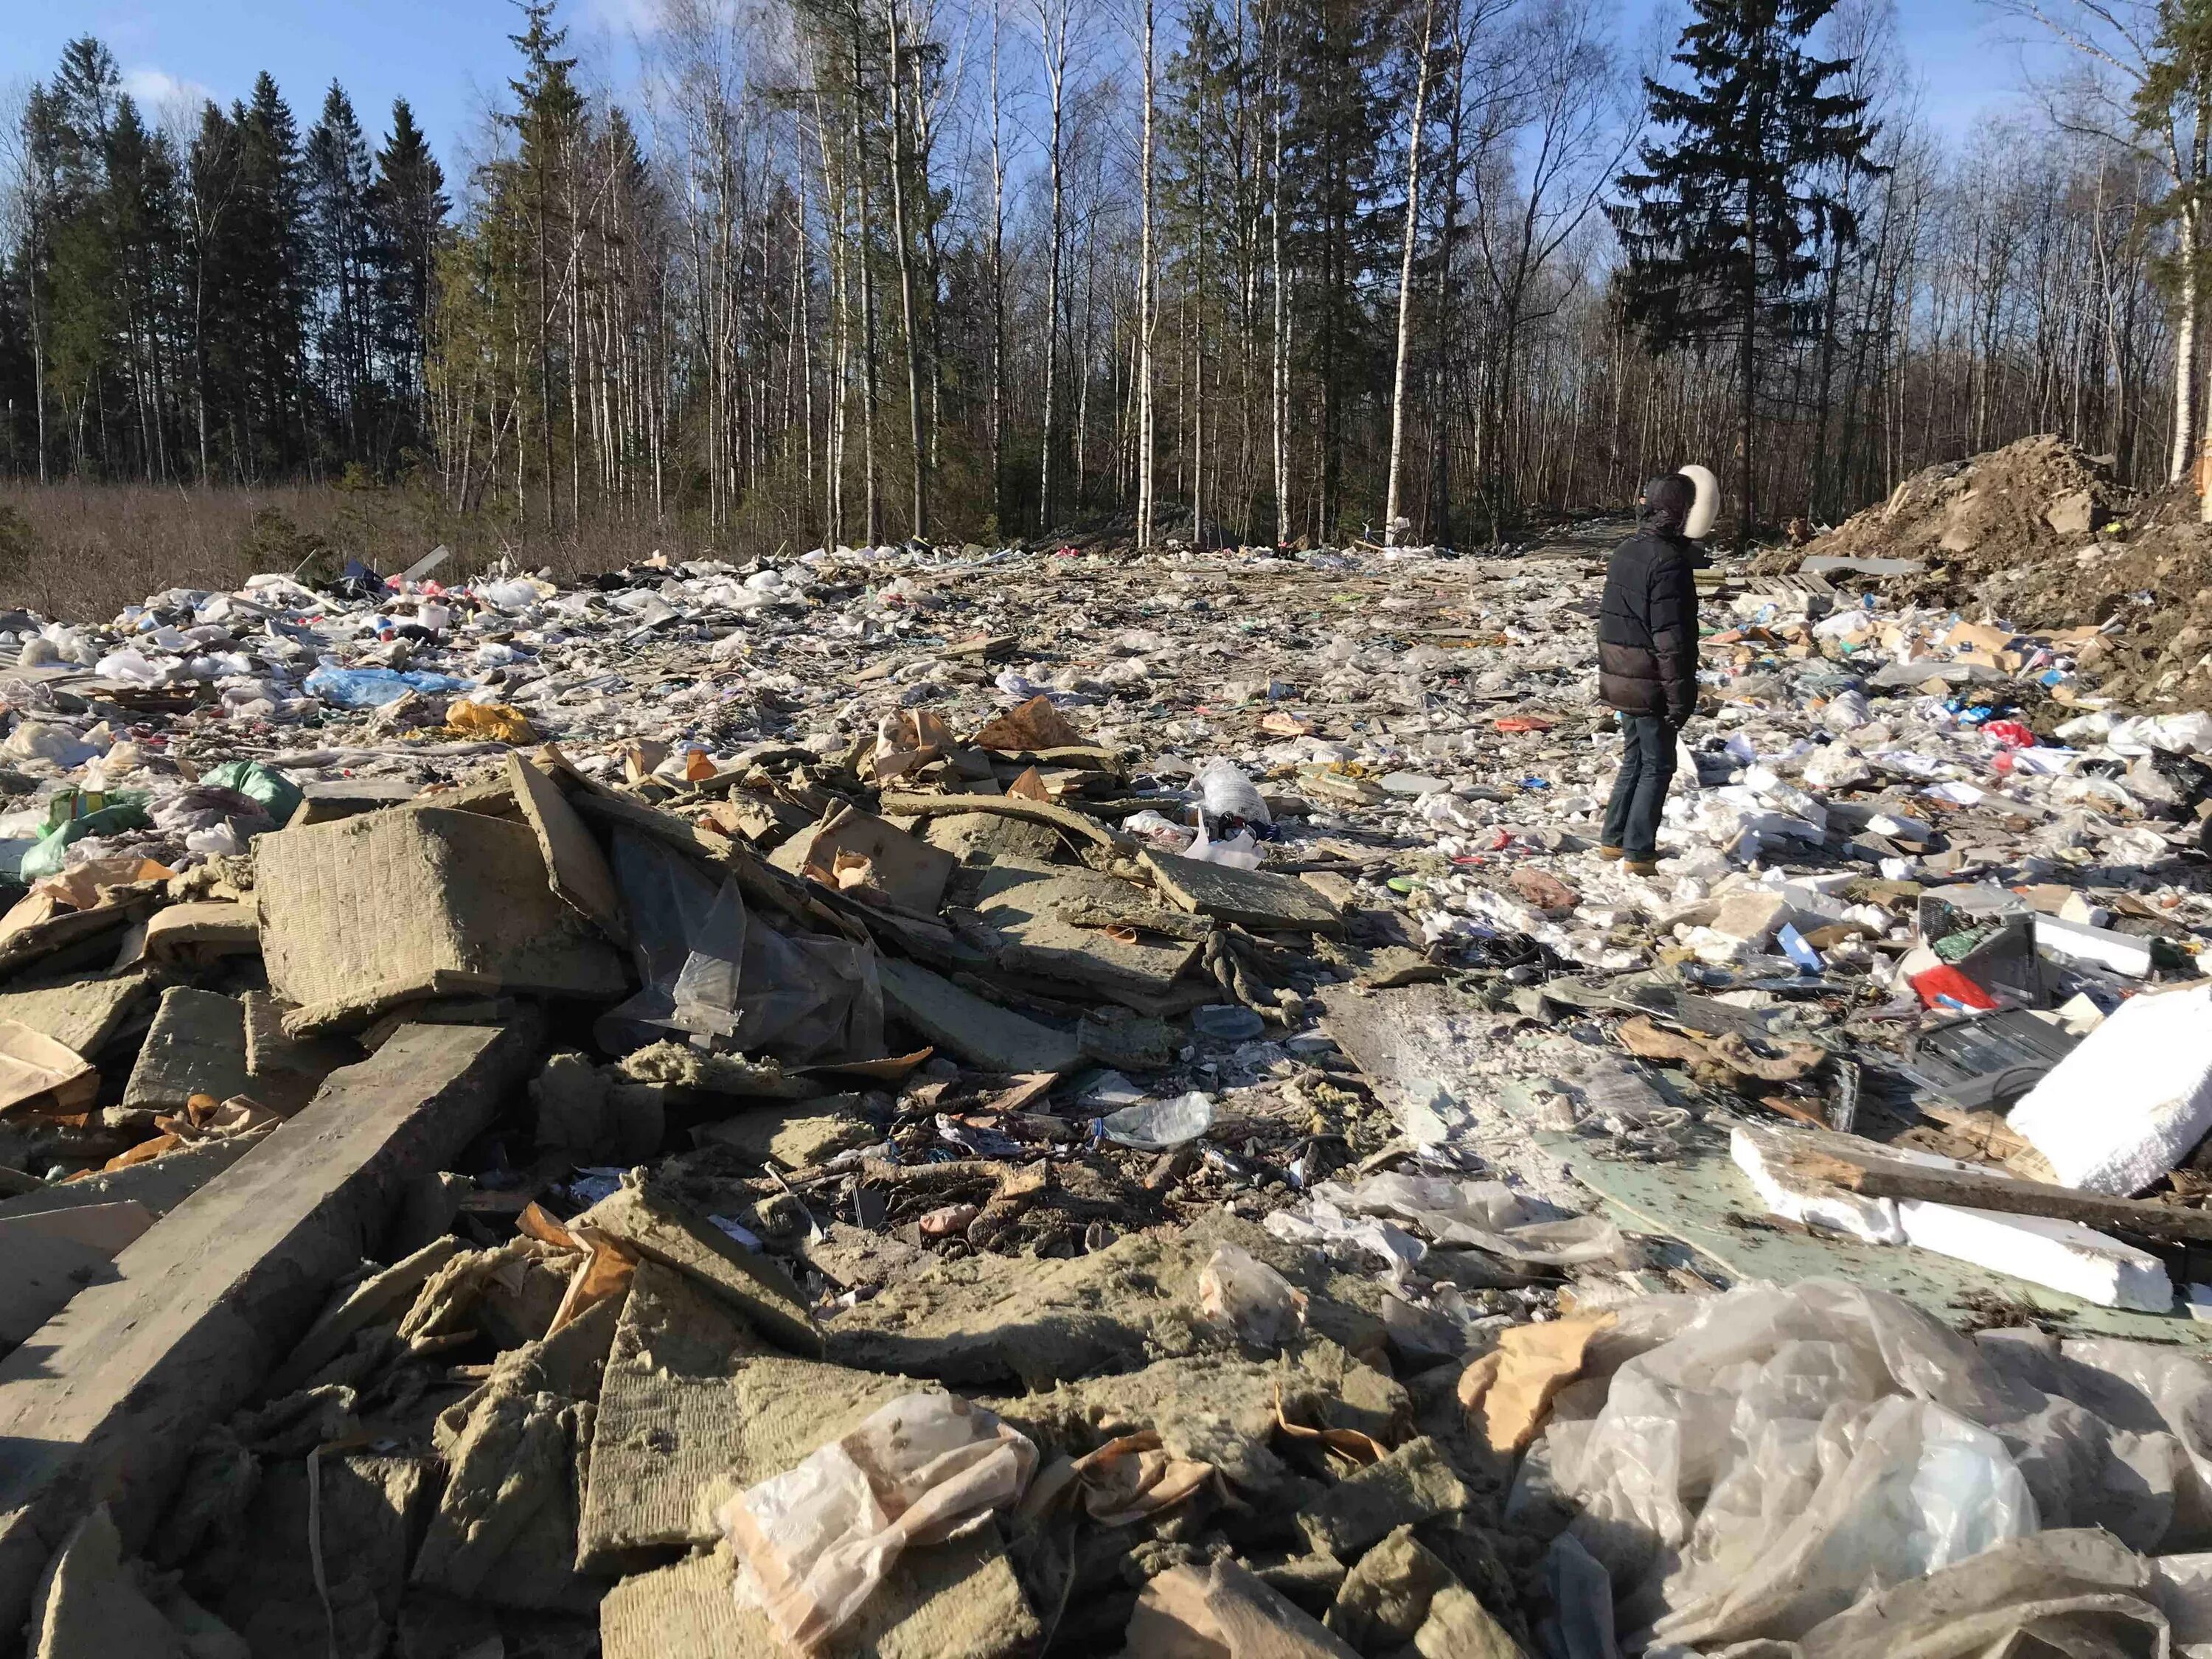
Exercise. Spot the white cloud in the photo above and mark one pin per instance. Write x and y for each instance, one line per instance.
(159, 92)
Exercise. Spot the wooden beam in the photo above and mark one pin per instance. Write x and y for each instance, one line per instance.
(1880, 1178)
(104, 1402)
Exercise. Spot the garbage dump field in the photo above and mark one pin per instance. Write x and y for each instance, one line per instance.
(956, 1104)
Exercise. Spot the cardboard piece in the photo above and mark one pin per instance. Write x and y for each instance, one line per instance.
(35, 1068)
(1508, 1393)
(901, 869)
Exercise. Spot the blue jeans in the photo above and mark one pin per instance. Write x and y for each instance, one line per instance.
(1639, 793)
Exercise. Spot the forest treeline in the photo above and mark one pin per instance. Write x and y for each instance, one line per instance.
(1235, 270)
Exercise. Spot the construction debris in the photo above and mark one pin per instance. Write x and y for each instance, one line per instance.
(719, 1112)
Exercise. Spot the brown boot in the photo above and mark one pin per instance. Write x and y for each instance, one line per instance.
(1641, 866)
(1610, 854)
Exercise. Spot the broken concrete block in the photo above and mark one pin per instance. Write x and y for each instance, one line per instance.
(197, 1047)
(756, 1285)
(1755, 917)
(2074, 513)
(981, 1032)
(1413, 1484)
(956, 1601)
(367, 912)
(1385, 1597)
(1250, 898)
(111, 1395)
(693, 1409)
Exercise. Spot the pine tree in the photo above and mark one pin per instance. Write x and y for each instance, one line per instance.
(1728, 209)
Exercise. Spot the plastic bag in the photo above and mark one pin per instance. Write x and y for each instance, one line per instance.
(815, 1541)
(1239, 851)
(1229, 796)
(1159, 1125)
(1484, 1215)
(1763, 1459)
(711, 970)
(1237, 1290)
(372, 688)
(276, 793)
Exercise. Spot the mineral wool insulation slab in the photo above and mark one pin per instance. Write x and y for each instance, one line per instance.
(369, 911)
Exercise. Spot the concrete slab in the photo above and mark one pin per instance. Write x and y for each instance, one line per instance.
(1250, 898)
(105, 1400)
(981, 1032)
(1023, 902)
(161, 1184)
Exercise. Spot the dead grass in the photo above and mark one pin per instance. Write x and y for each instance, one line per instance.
(82, 551)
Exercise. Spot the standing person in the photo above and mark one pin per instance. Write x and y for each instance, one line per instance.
(1647, 661)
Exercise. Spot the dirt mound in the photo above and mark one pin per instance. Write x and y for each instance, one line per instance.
(1991, 512)
(2039, 535)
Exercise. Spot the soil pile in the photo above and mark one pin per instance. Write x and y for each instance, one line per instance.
(2039, 535)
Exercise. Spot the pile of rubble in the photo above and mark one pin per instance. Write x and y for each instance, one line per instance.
(2040, 535)
(983, 1103)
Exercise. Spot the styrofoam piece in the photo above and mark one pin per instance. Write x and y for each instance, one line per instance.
(1759, 1153)
(2132, 1100)
(2078, 942)
(2063, 1255)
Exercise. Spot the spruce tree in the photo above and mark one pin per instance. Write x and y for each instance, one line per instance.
(337, 187)
(408, 206)
(1729, 205)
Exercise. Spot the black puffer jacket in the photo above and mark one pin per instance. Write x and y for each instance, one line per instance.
(1647, 626)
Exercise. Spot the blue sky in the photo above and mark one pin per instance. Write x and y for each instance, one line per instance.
(450, 59)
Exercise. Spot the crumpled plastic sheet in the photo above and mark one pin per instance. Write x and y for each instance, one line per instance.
(711, 971)
(1483, 1215)
(1775, 1473)
(815, 1541)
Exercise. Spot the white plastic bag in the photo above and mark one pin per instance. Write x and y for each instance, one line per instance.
(815, 1541)
(1237, 1290)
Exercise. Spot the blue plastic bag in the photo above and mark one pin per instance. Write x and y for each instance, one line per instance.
(372, 688)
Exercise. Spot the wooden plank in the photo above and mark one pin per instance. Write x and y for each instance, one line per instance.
(105, 1402)
(902, 804)
(1876, 1177)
